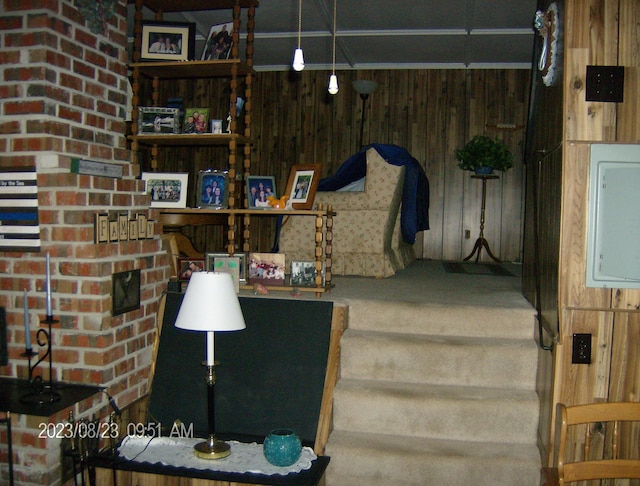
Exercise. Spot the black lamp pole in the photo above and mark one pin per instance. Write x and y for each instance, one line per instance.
(364, 97)
(365, 87)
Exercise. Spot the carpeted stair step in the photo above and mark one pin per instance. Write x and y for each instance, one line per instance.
(438, 360)
(374, 459)
(445, 320)
(439, 412)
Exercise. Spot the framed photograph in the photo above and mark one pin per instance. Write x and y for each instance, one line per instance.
(158, 120)
(303, 184)
(196, 120)
(211, 259)
(259, 188)
(266, 268)
(216, 126)
(167, 189)
(230, 265)
(126, 292)
(213, 188)
(303, 274)
(167, 41)
(219, 42)
(188, 266)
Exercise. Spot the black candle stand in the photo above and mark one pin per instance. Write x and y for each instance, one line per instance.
(42, 393)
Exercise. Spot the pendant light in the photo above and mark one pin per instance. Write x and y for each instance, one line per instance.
(298, 58)
(333, 79)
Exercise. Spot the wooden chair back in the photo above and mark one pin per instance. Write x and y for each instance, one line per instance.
(604, 455)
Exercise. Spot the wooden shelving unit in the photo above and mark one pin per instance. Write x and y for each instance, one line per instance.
(323, 234)
(235, 69)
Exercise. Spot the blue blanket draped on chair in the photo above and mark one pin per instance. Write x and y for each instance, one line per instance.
(414, 213)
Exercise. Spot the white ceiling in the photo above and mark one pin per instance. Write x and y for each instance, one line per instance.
(382, 34)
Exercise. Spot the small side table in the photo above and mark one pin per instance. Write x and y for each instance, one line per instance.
(481, 241)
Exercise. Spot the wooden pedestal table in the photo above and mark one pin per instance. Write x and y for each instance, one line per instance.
(481, 241)
(323, 233)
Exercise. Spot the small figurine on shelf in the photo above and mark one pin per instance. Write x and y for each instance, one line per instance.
(278, 203)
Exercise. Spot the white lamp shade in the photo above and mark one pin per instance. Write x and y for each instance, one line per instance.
(210, 304)
(333, 84)
(298, 60)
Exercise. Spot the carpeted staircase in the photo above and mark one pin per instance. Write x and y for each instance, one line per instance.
(435, 395)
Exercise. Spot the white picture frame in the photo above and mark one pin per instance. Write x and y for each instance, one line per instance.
(167, 189)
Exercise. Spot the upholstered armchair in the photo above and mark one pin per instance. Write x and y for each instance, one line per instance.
(367, 237)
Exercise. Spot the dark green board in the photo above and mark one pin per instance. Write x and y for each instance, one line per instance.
(270, 375)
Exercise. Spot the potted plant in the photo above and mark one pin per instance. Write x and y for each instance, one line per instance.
(484, 155)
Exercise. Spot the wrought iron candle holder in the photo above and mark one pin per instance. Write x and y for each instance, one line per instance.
(41, 392)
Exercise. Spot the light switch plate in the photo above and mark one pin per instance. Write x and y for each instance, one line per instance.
(605, 83)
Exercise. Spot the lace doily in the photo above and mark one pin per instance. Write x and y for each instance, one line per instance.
(178, 452)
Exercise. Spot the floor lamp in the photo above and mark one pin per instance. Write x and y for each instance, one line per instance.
(364, 87)
(210, 304)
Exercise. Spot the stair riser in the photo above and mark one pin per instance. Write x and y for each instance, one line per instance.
(389, 468)
(415, 360)
(417, 416)
(442, 320)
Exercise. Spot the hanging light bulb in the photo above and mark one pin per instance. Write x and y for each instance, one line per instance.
(333, 84)
(333, 79)
(298, 57)
(298, 60)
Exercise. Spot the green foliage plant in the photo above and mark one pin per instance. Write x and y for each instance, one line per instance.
(482, 151)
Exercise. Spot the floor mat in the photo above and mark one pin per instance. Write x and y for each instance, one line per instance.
(472, 268)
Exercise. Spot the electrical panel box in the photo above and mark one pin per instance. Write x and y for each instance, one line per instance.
(613, 246)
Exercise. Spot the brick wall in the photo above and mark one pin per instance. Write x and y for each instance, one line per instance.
(63, 95)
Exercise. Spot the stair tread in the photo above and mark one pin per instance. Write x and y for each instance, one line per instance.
(429, 318)
(483, 341)
(432, 447)
(442, 392)
(380, 460)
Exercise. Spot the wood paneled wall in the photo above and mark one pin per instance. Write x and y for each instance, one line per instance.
(596, 32)
(431, 113)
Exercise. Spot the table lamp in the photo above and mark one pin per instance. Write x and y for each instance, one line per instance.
(210, 304)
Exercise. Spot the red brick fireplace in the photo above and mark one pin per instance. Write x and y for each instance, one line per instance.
(63, 97)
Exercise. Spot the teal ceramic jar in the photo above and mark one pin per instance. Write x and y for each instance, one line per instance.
(282, 447)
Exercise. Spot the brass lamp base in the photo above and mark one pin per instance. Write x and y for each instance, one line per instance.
(212, 448)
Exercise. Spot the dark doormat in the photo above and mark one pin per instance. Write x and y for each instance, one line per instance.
(472, 268)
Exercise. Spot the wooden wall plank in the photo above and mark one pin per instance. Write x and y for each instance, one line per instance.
(430, 112)
(573, 242)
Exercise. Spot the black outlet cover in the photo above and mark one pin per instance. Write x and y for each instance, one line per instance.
(581, 349)
(605, 83)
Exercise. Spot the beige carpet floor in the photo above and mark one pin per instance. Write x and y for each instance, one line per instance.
(426, 281)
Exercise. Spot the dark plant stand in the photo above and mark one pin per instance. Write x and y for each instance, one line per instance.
(481, 241)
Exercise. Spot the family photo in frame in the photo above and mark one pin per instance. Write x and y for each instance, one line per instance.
(167, 189)
(302, 185)
(259, 188)
(167, 41)
(195, 120)
(267, 268)
(213, 190)
(303, 273)
(219, 42)
(188, 266)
